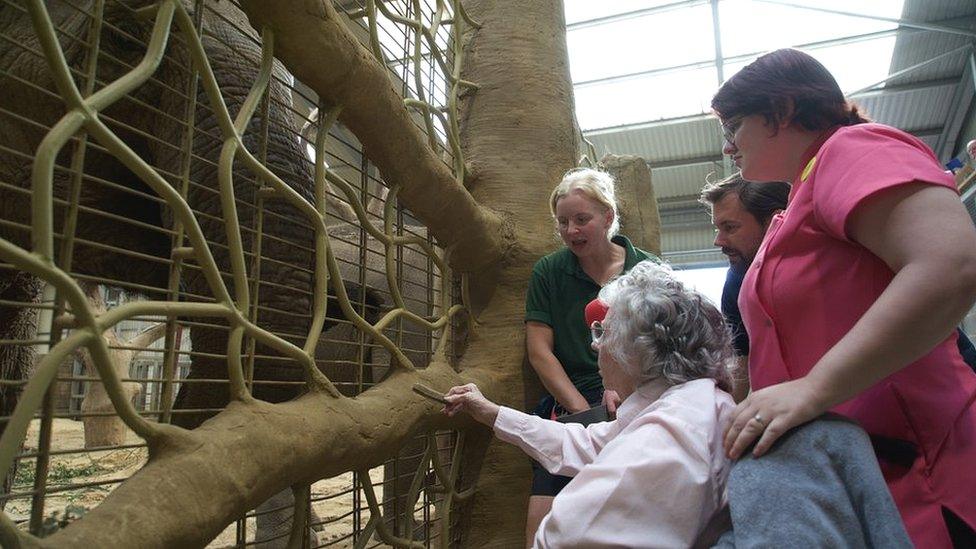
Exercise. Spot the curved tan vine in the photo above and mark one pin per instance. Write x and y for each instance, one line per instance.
(83, 114)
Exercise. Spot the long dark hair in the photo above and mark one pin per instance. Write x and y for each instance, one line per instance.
(786, 78)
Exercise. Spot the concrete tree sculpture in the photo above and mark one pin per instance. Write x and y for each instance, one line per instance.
(102, 427)
(512, 136)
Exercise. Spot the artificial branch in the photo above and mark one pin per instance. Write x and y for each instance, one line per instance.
(187, 492)
(321, 51)
(102, 426)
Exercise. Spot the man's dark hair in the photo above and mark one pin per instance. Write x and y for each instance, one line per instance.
(761, 200)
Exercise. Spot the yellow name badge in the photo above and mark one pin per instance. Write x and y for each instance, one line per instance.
(808, 169)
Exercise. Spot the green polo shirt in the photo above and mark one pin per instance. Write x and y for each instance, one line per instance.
(558, 293)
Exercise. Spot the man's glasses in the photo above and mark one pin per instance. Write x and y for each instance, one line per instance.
(596, 331)
(729, 128)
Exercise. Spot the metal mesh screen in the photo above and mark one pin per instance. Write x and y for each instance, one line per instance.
(230, 238)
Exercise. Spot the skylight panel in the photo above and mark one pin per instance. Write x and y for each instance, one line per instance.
(855, 66)
(663, 39)
(661, 65)
(664, 95)
(585, 10)
(749, 26)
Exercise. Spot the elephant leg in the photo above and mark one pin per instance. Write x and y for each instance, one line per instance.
(398, 476)
(274, 520)
(206, 390)
(17, 361)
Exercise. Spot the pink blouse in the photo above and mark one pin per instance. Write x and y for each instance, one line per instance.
(810, 283)
(653, 477)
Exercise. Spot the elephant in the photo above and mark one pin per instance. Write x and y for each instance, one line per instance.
(415, 342)
(117, 208)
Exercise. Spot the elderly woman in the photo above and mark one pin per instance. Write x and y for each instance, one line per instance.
(584, 209)
(853, 298)
(665, 351)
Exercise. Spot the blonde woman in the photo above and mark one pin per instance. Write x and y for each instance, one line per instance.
(584, 208)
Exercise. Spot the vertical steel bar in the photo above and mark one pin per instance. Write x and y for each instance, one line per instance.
(363, 257)
(174, 332)
(42, 462)
(256, 247)
(240, 531)
(717, 32)
(357, 510)
(298, 537)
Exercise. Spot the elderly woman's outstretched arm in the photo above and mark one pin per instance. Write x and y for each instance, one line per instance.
(562, 448)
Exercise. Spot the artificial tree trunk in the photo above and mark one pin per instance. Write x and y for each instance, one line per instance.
(519, 136)
(640, 219)
(518, 139)
(102, 426)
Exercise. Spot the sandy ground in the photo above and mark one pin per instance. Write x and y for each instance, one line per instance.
(82, 467)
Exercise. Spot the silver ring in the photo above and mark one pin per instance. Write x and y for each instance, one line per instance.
(759, 418)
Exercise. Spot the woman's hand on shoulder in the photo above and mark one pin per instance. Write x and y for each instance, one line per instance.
(768, 413)
(468, 398)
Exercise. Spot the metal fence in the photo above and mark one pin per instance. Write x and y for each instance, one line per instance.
(154, 161)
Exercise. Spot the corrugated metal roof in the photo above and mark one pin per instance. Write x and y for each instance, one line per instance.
(663, 142)
(912, 48)
(938, 10)
(680, 181)
(913, 109)
(683, 152)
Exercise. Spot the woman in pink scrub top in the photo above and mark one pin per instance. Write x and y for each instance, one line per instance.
(853, 298)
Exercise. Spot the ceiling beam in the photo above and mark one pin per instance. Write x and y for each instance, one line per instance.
(717, 32)
(720, 71)
(926, 84)
(921, 25)
(735, 58)
(712, 158)
(914, 67)
(617, 17)
(680, 204)
(906, 87)
(649, 124)
(925, 132)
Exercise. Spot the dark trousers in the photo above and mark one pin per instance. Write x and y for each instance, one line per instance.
(545, 483)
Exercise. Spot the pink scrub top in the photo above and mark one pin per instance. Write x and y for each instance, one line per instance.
(810, 283)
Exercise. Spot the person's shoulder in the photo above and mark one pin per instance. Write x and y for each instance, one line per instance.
(644, 254)
(871, 135)
(696, 402)
(638, 253)
(552, 261)
(733, 279)
(693, 412)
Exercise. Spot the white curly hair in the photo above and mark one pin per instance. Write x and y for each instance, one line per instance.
(658, 328)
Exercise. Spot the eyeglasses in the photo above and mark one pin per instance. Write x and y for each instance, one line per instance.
(596, 331)
(729, 127)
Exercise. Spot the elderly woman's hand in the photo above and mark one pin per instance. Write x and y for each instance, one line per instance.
(468, 398)
(768, 413)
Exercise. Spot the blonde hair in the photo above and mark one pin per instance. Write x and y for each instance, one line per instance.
(593, 184)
